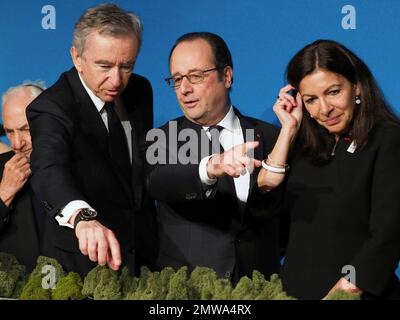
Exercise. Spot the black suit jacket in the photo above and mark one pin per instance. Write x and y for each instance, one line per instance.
(345, 219)
(70, 161)
(196, 230)
(19, 234)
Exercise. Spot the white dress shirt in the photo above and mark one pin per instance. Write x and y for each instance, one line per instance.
(230, 136)
(66, 213)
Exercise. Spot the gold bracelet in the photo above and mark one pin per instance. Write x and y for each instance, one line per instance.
(273, 163)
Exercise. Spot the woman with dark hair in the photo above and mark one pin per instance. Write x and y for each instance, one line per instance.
(342, 191)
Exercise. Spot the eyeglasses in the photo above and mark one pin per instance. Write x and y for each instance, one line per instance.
(195, 76)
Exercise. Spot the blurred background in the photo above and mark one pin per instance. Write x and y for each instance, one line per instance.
(262, 35)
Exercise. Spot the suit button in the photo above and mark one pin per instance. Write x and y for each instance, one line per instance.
(191, 196)
(47, 206)
(227, 274)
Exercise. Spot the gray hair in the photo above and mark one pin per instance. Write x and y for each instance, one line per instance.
(33, 87)
(107, 19)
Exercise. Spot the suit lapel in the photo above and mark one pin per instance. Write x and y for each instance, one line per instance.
(90, 121)
(200, 135)
(138, 148)
(91, 125)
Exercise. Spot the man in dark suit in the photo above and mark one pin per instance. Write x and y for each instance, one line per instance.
(87, 160)
(211, 211)
(18, 226)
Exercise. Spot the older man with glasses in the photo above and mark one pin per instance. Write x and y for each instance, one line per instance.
(211, 212)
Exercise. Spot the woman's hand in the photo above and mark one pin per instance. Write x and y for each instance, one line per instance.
(289, 112)
(288, 109)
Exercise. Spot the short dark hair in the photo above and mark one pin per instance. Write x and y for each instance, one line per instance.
(221, 53)
(314, 141)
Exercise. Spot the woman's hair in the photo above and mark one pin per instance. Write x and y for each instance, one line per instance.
(314, 141)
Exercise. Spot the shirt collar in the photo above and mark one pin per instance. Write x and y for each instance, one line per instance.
(230, 122)
(99, 104)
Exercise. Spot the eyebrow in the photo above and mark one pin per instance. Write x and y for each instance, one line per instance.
(102, 62)
(326, 90)
(189, 71)
(130, 62)
(25, 126)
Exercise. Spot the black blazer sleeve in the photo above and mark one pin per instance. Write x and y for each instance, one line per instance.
(4, 210)
(378, 259)
(172, 182)
(52, 131)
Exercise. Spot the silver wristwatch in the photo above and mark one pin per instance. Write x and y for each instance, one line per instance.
(85, 215)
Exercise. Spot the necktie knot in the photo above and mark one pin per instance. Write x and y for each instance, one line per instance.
(217, 127)
(109, 106)
(215, 132)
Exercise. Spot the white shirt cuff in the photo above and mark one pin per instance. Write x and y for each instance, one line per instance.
(205, 179)
(66, 213)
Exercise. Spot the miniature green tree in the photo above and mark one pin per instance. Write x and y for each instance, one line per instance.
(127, 282)
(91, 281)
(108, 287)
(12, 275)
(223, 290)
(178, 289)
(153, 289)
(141, 284)
(33, 290)
(201, 283)
(343, 295)
(243, 290)
(40, 270)
(69, 288)
(164, 279)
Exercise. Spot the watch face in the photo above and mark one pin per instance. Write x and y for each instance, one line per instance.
(88, 213)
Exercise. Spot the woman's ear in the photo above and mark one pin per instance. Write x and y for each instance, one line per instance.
(358, 89)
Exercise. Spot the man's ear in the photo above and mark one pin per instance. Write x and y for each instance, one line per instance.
(77, 59)
(228, 77)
